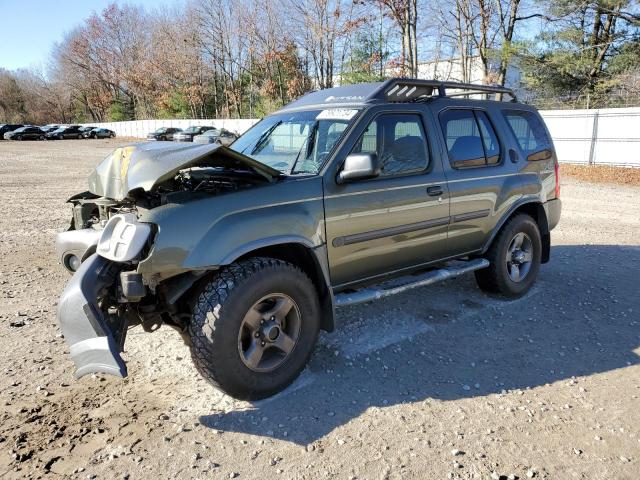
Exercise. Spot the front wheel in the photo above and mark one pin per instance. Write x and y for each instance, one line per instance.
(514, 258)
(254, 326)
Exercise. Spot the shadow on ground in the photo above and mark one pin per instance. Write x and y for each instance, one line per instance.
(451, 341)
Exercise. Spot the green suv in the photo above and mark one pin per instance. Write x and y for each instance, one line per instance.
(344, 196)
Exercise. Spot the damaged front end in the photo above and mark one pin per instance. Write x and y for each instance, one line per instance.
(100, 301)
(95, 345)
(107, 241)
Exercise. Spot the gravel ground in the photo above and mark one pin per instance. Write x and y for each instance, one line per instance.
(439, 382)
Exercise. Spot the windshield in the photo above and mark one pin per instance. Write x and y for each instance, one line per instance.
(61, 129)
(21, 129)
(296, 142)
(192, 130)
(161, 130)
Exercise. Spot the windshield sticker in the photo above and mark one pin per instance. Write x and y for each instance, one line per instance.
(336, 114)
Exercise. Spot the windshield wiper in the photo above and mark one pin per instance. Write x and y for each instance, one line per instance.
(263, 138)
(308, 143)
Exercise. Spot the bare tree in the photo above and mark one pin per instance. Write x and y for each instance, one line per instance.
(405, 16)
(320, 26)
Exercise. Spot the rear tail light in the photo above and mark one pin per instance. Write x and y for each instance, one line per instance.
(557, 170)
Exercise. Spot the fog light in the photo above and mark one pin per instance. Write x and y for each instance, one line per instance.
(72, 262)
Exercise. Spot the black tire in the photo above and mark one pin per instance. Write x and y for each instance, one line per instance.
(218, 322)
(79, 136)
(41, 138)
(498, 278)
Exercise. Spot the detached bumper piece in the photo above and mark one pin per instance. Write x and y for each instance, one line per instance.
(94, 346)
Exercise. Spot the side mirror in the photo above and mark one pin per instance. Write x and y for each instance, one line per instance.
(545, 154)
(359, 166)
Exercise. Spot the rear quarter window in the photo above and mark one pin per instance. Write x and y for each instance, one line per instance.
(528, 129)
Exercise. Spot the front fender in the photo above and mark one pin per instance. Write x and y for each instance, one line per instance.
(211, 232)
(241, 233)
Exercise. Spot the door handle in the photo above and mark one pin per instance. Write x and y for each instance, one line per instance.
(435, 191)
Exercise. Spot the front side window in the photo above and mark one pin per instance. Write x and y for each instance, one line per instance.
(399, 142)
(470, 138)
(296, 142)
(528, 130)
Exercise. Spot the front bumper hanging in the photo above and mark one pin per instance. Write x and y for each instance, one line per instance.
(93, 346)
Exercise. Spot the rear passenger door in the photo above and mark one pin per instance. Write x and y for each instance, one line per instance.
(475, 172)
(397, 220)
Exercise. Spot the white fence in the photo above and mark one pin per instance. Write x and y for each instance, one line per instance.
(598, 137)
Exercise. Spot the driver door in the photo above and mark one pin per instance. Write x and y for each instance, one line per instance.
(397, 220)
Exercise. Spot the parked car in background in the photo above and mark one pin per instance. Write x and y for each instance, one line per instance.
(71, 131)
(188, 134)
(163, 133)
(100, 133)
(9, 127)
(86, 130)
(49, 128)
(215, 135)
(25, 133)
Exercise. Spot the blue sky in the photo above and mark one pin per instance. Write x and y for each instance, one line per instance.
(28, 29)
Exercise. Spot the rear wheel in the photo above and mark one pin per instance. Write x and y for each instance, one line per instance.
(514, 258)
(254, 327)
(79, 136)
(41, 137)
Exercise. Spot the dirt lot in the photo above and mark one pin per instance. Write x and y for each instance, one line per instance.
(440, 382)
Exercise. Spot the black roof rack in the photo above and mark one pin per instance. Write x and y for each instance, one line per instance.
(411, 90)
(405, 90)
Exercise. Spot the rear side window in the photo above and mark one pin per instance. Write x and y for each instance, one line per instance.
(528, 130)
(398, 140)
(470, 137)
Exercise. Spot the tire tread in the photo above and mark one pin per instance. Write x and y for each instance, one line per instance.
(206, 318)
(490, 279)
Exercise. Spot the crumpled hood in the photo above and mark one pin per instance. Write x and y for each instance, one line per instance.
(145, 165)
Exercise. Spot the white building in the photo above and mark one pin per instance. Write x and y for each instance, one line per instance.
(451, 69)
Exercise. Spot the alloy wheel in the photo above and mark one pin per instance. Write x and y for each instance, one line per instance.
(519, 257)
(269, 332)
